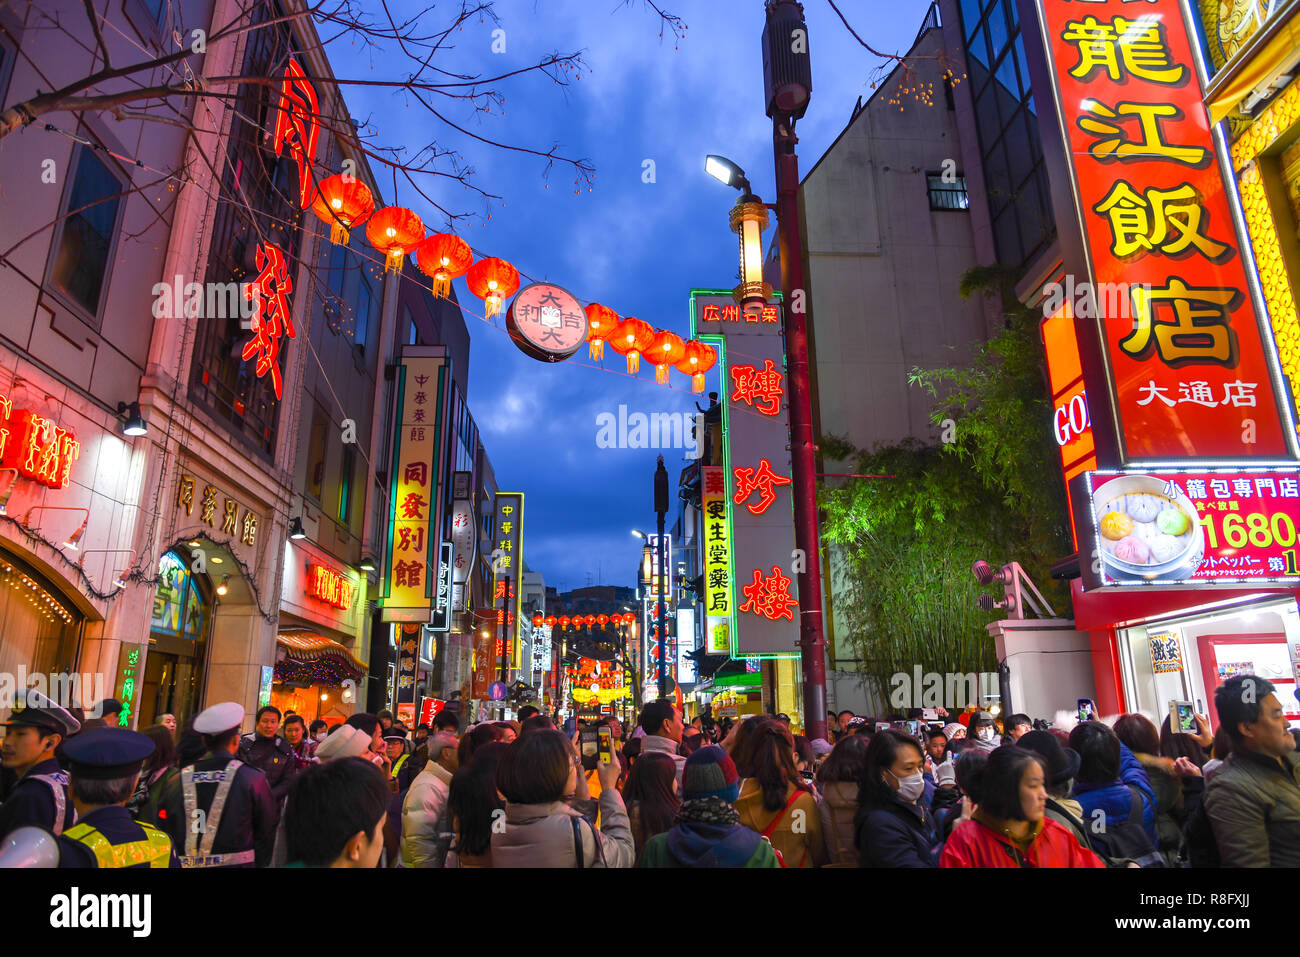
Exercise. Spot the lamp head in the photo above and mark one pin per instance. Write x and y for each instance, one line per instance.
(726, 172)
(296, 531)
(133, 421)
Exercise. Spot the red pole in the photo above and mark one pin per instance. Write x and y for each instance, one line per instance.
(812, 645)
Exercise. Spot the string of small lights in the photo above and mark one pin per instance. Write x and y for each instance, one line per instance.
(27, 589)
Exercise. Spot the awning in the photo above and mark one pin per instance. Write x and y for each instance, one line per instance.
(734, 675)
(308, 646)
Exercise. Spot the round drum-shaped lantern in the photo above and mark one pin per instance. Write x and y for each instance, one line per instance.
(492, 280)
(601, 323)
(394, 231)
(631, 338)
(343, 201)
(546, 322)
(666, 350)
(443, 257)
(699, 359)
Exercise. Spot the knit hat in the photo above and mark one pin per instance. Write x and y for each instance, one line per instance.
(950, 729)
(710, 772)
(821, 747)
(346, 742)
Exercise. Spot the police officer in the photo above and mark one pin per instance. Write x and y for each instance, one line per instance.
(40, 798)
(270, 753)
(219, 810)
(104, 765)
(395, 746)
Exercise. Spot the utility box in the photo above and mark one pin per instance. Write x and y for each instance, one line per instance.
(1050, 665)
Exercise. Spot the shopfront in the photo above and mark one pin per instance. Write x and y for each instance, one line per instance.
(170, 680)
(40, 629)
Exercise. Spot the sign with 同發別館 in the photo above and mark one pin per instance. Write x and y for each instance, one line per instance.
(756, 473)
(1190, 369)
(411, 568)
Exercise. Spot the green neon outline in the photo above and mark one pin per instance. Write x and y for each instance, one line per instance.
(392, 485)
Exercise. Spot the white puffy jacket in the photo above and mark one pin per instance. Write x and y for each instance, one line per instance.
(426, 822)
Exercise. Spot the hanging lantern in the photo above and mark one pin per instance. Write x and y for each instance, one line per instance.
(493, 281)
(550, 621)
(698, 360)
(602, 619)
(601, 323)
(343, 201)
(748, 220)
(590, 619)
(443, 257)
(667, 350)
(394, 231)
(631, 338)
(564, 621)
(537, 621)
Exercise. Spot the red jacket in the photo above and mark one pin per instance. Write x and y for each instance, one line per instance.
(974, 844)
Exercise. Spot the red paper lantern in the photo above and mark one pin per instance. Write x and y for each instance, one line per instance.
(550, 621)
(601, 323)
(590, 619)
(666, 350)
(443, 257)
(394, 231)
(492, 280)
(564, 621)
(602, 619)
(631, 338)
(343, 201)
(699, 359)
(537, 621)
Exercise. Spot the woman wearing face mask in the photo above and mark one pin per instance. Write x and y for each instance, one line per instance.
(983, 732)
(1010, 827)
(319, 730)
(893, 825)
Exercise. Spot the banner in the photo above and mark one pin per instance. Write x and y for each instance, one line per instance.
(507, 565)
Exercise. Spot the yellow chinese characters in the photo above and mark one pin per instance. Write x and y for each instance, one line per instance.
(1192, 326)
(1163, 220)
(1113, 143)
(1122, 48)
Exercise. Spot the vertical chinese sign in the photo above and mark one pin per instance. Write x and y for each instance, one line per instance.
(410, 573)
(441, 620)
(756, 472)
(1192, 371)
(128, 684)
(507, 566)
(408, 654)
(464, 538)
(717, 561)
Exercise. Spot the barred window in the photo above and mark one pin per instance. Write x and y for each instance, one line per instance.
(947, 195)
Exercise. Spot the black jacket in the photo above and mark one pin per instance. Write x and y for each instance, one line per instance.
(114, 822)
(274, 758)
(31, 802)
(248, 820)
(896, 835)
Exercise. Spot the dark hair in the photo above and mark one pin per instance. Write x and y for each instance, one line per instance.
(843, 713)
(936, 734)
(655, 714)
(969, 768)
(804, 749)
(650, 785)
(693, 742)
(328, 804)
(1016, 720)
(479, 735)
(882, 752)
(164, 751)
(536, 722)
(631, 751)
(445, 719)
(1000, 784)
(527, 711)
(847, 760)
(1138, 734)
(295, 719)
(216, 742)
(1221, 746)
(472, 799)
(268, 707)
(535, 768)
(190, 745)
(422, 726)
(1098, 749)
(363, 721)
(316, 726)
(773, 760)
(1234, 710)
(742, 747)
(102, 790)
(384, 714)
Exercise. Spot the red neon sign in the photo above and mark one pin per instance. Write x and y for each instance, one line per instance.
(297, 127)
(273, 285)
(754, 386)
(769, 596)
(330, 587)
(749, 481)
(36, 446)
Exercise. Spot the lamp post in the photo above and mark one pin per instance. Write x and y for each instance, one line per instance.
(661, 509)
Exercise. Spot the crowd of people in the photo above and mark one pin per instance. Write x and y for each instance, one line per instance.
(979, 792)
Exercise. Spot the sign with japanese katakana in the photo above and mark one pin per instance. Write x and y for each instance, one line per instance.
(441, 619)
(1188, 527)
(750, 593)
(1190, 364)
(546, 322)
(415, 507)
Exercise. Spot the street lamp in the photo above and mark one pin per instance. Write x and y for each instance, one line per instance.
(748, 220)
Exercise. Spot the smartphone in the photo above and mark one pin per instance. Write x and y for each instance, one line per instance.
(590, 750)
(912, 727)
(930, 714)
(1182, 720)
(882, 725)
(605, 744)
(1087, 710)
(806, 775)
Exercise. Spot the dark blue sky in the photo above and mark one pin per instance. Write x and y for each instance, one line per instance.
(636, 247)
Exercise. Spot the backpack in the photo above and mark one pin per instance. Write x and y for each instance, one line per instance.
(1198, 837)
(1077, 827)
(1119, 844)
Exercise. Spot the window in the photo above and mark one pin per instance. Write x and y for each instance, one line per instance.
(345, 484)
(361, 327)
(86, 240)
(948, 196)
(320, 424)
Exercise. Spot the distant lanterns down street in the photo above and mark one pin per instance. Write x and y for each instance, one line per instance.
(601, 323)
(631, 338)
(698, 359)
(443, 257)
(394, 231)
(343, 202)
(492, 280)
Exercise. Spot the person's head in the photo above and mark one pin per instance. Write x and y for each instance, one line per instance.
(294, 729)
(1181, 745)
(842, 720)
(268, 721)
(742, 746)
(692, 740)
(538, 769)
(1013, 787)
(892, 771)
(96, 792)
(1099, 753)
(1060, 765)
(334, 815)
(446, 721)
(479, 735)
(220, 741)
(26, 745)
(1016, 725)
(372, 725)
(804, 759)
(385, 718)
(527, 711)
(661, 718)
(473, 799)
(536, 722)
(508, 731)
(394, 744)
(1137, 733)
(773, 761)
(164, 749)
(709, 773)
(1221, 746)
(168, 721)
(1256, 721)
(982, 726)
(936, 745)
(443, 749)
(110, 710)
(421, 734)
(955, 731)
(847, 760)
(652, 784)
(969, 767)
(318, 730)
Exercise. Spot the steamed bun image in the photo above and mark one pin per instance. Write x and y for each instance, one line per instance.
(1116, 525)
(1132, 550)
(1173, 521)
(1143, 508)
(1165, 548)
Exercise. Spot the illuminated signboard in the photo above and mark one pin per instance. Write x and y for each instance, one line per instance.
(408, 642)
(717, 561)
(1071, 419)
(36, 446)
(441, 620)
(128, 684)
(330, 586)
(655, 580)
(410, 574)
(546, 322)
(1190, 371)
(1179, 526)
(507, 563)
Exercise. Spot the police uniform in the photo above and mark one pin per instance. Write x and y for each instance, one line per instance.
(106, 836)
(238, 810)
(274, 758)
(394, 734)
(40, 798)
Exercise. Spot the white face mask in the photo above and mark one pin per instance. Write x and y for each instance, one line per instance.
(911, 787)
(984, 734)
(321, 736)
